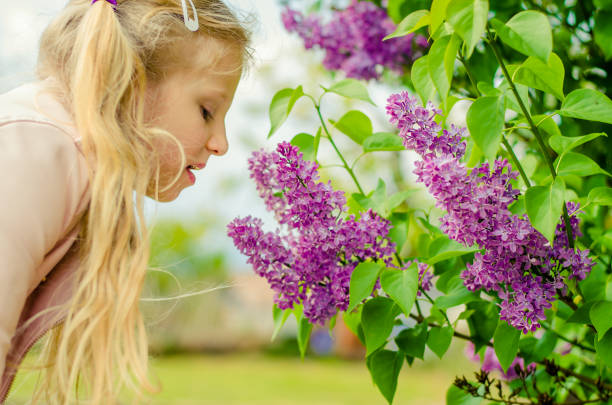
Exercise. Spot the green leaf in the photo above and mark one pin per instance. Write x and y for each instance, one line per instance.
(399, 231)
(483, 322)
(562, 144)
(603, 32)
(594, 286)
(280, 317)
(374, 200)
(587, 104)
(421, 79)
(377, 322)
(582, 314)
(443, 248)
(544, 206)
(362, 282)
(281, 106)
(457, 294)
(401, 286)
(536, 349)
(457, 396)
(352, 320)
(396, 200)
(528, 32)
(439, 339)
(545, 123)
(412, 22)
(600, 315)
(412, 340)
(317, 141)
(304, 329)
(351, 88)
(441, 63)
(356, 125)
(577, 164)
(469, 19)
(603, 347)
(383, 141)
(305, 142)
(438, 14)
(385, 366)
(547, 77)
(511, 100)
(600, 196)
(506, 343)
(603, 4)
(488, 90)
(398, 9)
(485, 121)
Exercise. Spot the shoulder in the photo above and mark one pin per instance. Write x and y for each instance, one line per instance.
(32, 110)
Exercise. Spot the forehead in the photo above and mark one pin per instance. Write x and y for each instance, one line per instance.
(204, 55)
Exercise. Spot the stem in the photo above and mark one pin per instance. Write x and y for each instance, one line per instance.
(572, 342)
(469, 73)
(505, 142)
(545, 362)
(433, 303)
(597, 383)
(534, 129)
(516, 161)
(346, 166)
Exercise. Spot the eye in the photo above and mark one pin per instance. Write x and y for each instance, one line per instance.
(206, 114)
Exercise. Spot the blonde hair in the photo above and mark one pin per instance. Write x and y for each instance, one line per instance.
(102, 60)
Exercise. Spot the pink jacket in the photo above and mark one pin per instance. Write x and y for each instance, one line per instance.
(43, 195)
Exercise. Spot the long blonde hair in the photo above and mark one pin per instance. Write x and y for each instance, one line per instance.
(102, 60)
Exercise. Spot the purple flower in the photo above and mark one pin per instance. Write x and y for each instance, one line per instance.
(353, 40)
(490, 362)
(312, 261)
(515, 261)
(424, 277)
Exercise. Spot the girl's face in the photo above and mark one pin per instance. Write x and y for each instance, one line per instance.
(191, 105)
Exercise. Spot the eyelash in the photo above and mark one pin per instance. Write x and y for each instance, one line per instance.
(206, 114)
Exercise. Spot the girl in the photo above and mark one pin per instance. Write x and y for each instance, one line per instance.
(131, 99)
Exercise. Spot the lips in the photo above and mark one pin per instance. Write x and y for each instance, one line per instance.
(192, 177)
(196, 166)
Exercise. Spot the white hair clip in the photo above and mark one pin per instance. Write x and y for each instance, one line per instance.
(191, 23)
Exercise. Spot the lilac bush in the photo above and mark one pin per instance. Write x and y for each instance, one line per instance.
(516, 261)
(310, 260)
(512, 255)
(352, 40)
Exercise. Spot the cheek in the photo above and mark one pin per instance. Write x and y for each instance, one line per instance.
(169, 158)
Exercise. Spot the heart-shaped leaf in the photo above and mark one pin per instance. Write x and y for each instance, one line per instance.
(401, 285)
(362, 282)
(544, 206)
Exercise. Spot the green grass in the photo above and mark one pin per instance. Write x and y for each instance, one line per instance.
(256, 379)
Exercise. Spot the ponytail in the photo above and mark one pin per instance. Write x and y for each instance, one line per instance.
(102, 59)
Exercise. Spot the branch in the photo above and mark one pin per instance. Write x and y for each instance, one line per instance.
(534, 129)
(344, 163)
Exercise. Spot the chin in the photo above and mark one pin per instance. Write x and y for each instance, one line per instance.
(166, 196)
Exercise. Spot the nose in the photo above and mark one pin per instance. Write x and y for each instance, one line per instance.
(217, 143)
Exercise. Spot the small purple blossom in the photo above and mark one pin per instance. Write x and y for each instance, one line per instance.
(516, 261)
(353, 40)
(490, 362)
(425, 277)
(312, 261)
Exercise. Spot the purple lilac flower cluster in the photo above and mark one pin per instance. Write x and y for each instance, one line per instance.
(353, 40)
(516, 261)
(311, 263)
